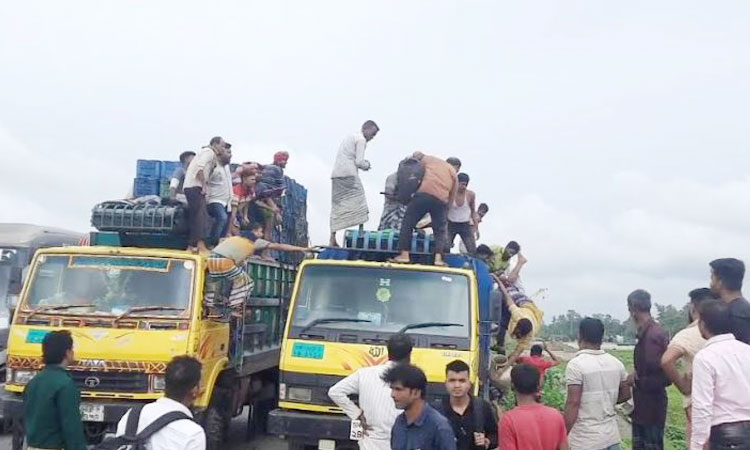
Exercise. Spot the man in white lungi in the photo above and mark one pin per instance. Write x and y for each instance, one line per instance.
(348, 201)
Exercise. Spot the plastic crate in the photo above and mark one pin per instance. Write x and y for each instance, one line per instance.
(168, 168)
(145, 186)
(143, 218)
(148, 168)
(386, 241)
(164, 188)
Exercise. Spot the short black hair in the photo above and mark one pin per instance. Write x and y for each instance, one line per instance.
(730, 271)
(523, 327)
(457, 366)
(463, 177)
(715, 317)
(525, 379)
(409, 376)
(536, 350)
(699, 295)
(483, 206)
(183, 374)
(639, 300)
(370, 124)
(399, 347)
(453, 161)
(55, 346)
(483, 249)
(185, 155)
(215, 140)
(513, 245)
(256, 225)
(591, 331)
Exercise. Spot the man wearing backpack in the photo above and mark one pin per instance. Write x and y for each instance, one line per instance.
(473, 419)
(436, 191)
(166, 424)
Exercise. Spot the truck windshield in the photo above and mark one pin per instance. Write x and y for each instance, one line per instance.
(382, 300)
(110, 285)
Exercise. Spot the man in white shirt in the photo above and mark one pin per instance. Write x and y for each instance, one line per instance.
(596, 383)
(348, 201)
(721, 384)
(219, 198)
(683, 347)
(182, 380)
(376, 409)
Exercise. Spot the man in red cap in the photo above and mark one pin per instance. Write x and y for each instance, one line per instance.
(270, 186)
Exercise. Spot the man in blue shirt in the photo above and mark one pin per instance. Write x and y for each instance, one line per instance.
(420, 426)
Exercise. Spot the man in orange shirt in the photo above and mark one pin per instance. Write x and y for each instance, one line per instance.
(437, 191)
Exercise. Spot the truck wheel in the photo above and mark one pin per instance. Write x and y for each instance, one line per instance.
(216, 426)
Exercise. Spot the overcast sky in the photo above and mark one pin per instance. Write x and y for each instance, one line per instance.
(609, 138)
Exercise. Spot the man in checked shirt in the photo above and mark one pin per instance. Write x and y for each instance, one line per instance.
(376, 409)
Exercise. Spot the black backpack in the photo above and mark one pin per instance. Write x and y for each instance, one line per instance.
(408, 178)
(132, 440)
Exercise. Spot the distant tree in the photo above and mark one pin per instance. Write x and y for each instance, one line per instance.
(671, 318)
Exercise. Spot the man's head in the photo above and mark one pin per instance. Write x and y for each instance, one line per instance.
(726, 275)
(455, 162)
(186, 158)
(463, 181)
(257, 229)
(482, 210)
(57, 348)
(536, 350)
(639, 304)
(485, 253)
(182, 379)
(399, 348)
(249, 178)
(511, 250)
(525, 379)
(714, 319)
(523, 328)
(218, 145)
(408, 384)
(281, 158)
(225, 157)
(697, 297)
(457, 381)
(590, 333)
(369, 130)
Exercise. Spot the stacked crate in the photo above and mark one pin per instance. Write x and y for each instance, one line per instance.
(152, 177)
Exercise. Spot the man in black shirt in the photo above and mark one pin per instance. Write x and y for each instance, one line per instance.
(726, 283)
(473, 419)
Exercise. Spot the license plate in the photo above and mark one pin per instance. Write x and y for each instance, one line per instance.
(92, 413)
(357, 431)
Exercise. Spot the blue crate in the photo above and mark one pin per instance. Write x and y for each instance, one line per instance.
(146, 186)
(147, 168)
(168, 168)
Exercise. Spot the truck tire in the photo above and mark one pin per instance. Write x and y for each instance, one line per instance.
(216, 426)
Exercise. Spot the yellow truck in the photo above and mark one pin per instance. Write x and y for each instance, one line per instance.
(130, 311)
(347, 303)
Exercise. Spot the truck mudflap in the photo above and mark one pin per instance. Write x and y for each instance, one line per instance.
(308, 426)
(100, 411)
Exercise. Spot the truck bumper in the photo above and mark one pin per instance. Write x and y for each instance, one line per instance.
(12, 407)
(309, 427)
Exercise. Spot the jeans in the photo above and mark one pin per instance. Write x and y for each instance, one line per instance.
(420, 205)
(734, 436)
(197, 217)
(466, 231)
(648, 437)
(221, 222)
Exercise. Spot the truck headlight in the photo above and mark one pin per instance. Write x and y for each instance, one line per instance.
(158, 383)
(21, 376)
(300, 394)
(282, 391)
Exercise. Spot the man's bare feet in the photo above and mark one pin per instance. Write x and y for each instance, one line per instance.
(402, 258)
(439, 260)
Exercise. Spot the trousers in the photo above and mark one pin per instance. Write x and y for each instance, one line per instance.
(420, 205)
(734, 436)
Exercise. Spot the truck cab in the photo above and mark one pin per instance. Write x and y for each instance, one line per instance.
(345, 307)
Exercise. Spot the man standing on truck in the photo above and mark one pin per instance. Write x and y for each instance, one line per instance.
(472, 418)
(195, 187)
(462, 218)
(376, 410)
(182, 380)
(52, 417)
(219, 197)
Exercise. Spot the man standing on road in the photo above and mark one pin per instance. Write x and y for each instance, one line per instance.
(420, 426)
(472, 418)
(683, 347)
(537, 360)
(52, 417)
(721, 384)
(181, 380)
(648, 381)
(376, 410)
(726, 283)
(348, 200)
(596, 383)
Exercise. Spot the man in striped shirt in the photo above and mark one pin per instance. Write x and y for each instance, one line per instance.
(376, 409)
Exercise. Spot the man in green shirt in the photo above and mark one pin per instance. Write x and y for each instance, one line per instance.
(52, 418)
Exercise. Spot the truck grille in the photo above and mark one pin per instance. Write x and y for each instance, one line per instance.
(131, 382)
